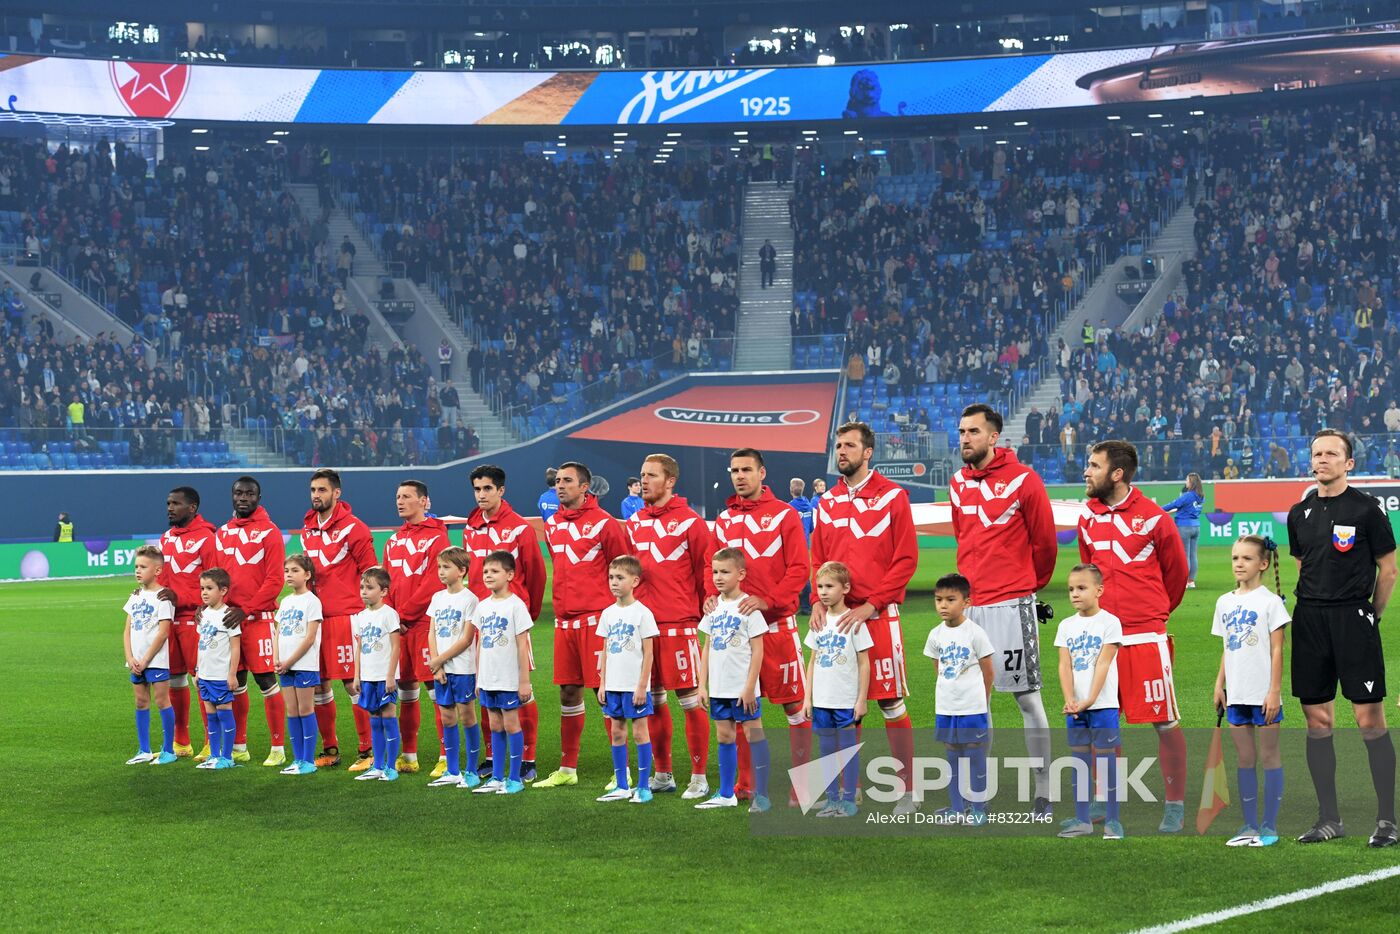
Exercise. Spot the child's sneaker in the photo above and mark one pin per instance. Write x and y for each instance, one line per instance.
(292, 769)
(760, 805)
(718, 801)
(976, 816)
(1098, 811)
(845, 809)
(1073, 827)
(370, 775)
(306, 768)
(183, 750)
(947, 816)
(165, 758)
(1246, 837)
(830, 809)
(390, 775)
(489, 788)
(470, 780)
(1112, 830)
(141, 758)
(447, 781)
(276, 757)
(226, 764)
(617, 794)
(641, 796)
(512, 786)
(1268, 836)
(210, 762)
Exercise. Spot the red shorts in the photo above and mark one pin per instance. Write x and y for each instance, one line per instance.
(414, 654)
(887, 676)
(184, 647)
(337, 649)
(255, 646)
(1146, 693)
(578, 651)
(780, 678)
(676, 665)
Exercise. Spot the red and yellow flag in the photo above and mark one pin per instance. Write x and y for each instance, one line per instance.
(1215, 789)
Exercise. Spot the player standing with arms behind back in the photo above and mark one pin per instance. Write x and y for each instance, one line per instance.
(341, 548)
(187, 549)
(1006, 550)
(865, 523)
(1135, 545)
(1345, 550)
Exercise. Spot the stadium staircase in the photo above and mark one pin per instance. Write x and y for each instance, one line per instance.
(764, 329)
(424, 332)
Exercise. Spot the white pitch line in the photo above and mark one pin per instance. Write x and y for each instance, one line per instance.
(1277, 901)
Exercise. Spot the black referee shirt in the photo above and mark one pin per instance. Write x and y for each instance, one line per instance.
(1338, 539)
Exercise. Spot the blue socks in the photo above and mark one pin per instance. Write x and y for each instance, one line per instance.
(309, 732)
(391, 742)
(516, 743)
(1083, 787)
(143, 729)
(758, 752)
(643, 765)
(473, 734)
(955, 762)
(977, 755)
(619, 757)
(376, 730)
(1273, 796)
(452, 748)
(167, 726)
(498, 756)
(850, 778)
(294, 733)
(728, 768)
(227, 728)
(1248, 780)
(826, 744)
(216, 734)
(1110, 785)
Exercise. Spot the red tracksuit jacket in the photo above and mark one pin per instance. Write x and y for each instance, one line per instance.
(871, 531)
(1005, 529)
(410, 556)
(188, 552)
(507, 531)
(769, 533)
(252, 551)
(675, 546)
(581, 543)
(1137, 547)
(341, 550)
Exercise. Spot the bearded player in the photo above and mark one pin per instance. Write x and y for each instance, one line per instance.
(251, 550)
(770, 534)
(188, 549)
(865, 522)
(341, 548)
(1139, 551)
(495, 526)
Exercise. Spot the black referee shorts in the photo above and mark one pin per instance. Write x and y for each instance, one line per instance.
(1334, 644)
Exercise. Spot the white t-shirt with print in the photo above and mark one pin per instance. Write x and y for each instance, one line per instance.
(624, 629)
(371, 629)
(215, 645)
(1245, 621)
(729, 632)
(146, 611)
(449, 614)
(836, 663)
(294, 615)
(958, 652)
(1085, 637)
(499, 622)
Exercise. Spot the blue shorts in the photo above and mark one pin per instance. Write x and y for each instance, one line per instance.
(829, 718)
(961, 729)
(1249, 715)
(730, 708)
(214, 692)
(618, 706)
(459, 689)
(374, 698)
(500, 700)
(151, 676)
(300, 679)
(1096, 728)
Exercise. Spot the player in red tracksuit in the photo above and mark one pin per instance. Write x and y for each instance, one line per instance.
(251, 550)
(341, 548)
(1006, 549)
(583, 540)
(865, 522)
(675, 547)
(410, 557)
(188, 550)
(1136, 546)
(769, 532)
(495, 526)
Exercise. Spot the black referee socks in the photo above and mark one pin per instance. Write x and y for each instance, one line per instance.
(1381, 752)
(1322, 765)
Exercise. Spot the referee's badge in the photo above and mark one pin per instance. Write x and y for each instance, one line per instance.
(1343, 537)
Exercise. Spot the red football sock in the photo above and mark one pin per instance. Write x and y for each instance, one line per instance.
(240, 718)
(180, 703)
(437, 717)
(659, 723)
(1171, 750)
(570, 735)
(325, 724)
(744, 781)
(800, 742)
(275, 710)
(900, 733)
(530, 726)
(364, 729)
(607, 732)
(409, 719)
(697, 739)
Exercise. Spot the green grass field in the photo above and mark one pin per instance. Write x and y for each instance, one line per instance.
(98, 845)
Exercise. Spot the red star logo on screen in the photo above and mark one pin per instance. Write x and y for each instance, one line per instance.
(150, 89)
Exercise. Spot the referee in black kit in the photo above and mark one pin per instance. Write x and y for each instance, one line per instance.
(1346, 569)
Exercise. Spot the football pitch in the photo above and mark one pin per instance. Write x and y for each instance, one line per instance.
(95, 844)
